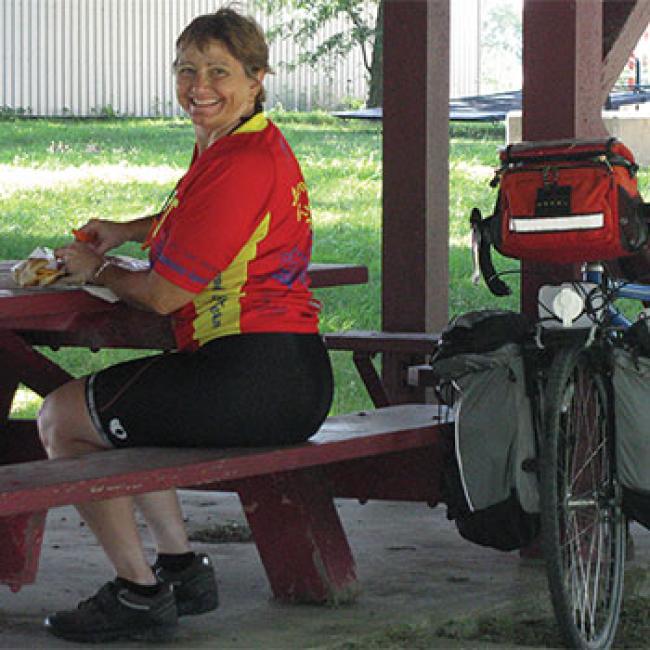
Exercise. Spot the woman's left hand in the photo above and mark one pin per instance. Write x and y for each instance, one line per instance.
(79, 260)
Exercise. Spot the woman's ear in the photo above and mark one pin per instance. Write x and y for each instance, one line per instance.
(259, 79)
(256, 83)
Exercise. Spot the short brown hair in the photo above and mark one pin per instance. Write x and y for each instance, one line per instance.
(242, 35)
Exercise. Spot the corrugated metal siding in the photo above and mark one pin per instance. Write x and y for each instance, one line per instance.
(83, 57)
(465, 48)
(87, 56)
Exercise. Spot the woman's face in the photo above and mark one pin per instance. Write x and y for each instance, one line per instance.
(212, 86)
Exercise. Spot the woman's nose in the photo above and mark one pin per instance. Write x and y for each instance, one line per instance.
(201, 79)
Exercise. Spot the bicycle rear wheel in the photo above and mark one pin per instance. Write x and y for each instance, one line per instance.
(583, 528)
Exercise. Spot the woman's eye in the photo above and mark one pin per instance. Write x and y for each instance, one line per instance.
(218, 72)
(185, 71)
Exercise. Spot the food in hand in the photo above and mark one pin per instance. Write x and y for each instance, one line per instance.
(83, 236)
(36, 272)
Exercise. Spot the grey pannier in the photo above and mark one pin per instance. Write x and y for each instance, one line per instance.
(632, 414)
(492, 491)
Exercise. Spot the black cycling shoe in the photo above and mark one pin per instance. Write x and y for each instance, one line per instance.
(195, 588)
(115, 613)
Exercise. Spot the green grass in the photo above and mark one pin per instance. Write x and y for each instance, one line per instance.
(56, 174)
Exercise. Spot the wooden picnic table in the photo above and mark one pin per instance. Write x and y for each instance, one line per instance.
(287, 493)
(58, 316)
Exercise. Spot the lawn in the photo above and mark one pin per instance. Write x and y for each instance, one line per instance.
(56, 174)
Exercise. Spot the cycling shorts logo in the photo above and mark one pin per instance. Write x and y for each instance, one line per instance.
(116, 429)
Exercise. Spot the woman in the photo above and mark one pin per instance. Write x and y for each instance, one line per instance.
(228, 257)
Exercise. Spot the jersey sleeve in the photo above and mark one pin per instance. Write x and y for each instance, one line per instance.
(215, 217)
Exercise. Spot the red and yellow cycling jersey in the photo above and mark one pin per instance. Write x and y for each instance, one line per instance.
(237, 233)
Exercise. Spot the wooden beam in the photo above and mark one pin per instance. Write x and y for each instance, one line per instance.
(562, 54)
(416, 177)
(562, 95)
(624, 22)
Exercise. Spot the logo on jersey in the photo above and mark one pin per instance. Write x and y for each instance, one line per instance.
(301, 203)
(116, 429)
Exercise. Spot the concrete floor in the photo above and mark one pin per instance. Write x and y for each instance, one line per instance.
(412, 565)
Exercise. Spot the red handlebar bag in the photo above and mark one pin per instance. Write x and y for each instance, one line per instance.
(568, 201)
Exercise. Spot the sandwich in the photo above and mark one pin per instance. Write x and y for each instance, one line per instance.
(37, 272)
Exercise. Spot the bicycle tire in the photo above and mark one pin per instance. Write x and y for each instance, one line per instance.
(583, 527)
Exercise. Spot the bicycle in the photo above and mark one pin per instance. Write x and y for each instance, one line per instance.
(583, 526)
(564, 202)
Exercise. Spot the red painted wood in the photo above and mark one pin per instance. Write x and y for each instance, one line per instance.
(615, 14)
(562, 96)
(416, 178)
(44, 484)
(300, 538)
(22, 537)
(118, 327)
(63, 316)
(32, 368)
(8, 385)
(19, 442)
(413, 475)
(335, 275)
(67, 317)
(624, 22)
(414, 346)
(371, 380)
(374, 342)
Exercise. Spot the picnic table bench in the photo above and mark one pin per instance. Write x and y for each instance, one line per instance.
(287, 493)
(413, 348)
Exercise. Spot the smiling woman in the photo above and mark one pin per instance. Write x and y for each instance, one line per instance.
(228, 257)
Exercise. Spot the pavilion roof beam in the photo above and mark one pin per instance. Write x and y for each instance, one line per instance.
(624, 22)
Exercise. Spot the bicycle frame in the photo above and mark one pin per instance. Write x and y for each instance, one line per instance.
(617, 289)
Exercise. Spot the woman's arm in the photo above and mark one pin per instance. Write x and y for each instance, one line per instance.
(102, 235)
(144, 289)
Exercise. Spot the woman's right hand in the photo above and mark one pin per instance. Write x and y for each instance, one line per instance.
(102, 235)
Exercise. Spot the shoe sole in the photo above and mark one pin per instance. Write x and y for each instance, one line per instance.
(200, 605)
(158, 633)
(197, 596)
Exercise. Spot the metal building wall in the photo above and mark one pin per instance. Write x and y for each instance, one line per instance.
(465, 48)
(83, 57)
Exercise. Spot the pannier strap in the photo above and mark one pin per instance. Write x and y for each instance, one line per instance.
(557, 223)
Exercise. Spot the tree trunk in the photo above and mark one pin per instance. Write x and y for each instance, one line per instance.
(376, 85)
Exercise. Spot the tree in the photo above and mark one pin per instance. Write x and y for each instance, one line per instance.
(501, 45)
(307, 17)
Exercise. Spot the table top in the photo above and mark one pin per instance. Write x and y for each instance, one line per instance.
(68, 315)
(321, 275)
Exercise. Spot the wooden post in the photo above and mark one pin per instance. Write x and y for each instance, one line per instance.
(416, 178)
(562, 95)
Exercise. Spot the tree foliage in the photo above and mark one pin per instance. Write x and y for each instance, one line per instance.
(502, 29)
(304, 19)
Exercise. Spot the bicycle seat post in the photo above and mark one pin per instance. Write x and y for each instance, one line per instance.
(592, 272)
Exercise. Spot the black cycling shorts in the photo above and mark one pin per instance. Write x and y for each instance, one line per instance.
(241, 390)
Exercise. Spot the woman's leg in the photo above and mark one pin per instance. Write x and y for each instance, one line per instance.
(162, 511)
(66, 431)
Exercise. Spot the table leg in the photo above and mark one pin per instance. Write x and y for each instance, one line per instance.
(300, 538)
(34, 369)
(371, 379)
(21, 535)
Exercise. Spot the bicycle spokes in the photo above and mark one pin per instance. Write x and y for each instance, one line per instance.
(581, 521)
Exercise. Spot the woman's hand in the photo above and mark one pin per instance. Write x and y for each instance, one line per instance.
(101, 235)
(80, 260)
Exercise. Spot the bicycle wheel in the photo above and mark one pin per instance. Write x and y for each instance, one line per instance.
(583, 528)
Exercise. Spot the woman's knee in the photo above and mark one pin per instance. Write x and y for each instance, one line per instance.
(64, 426)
